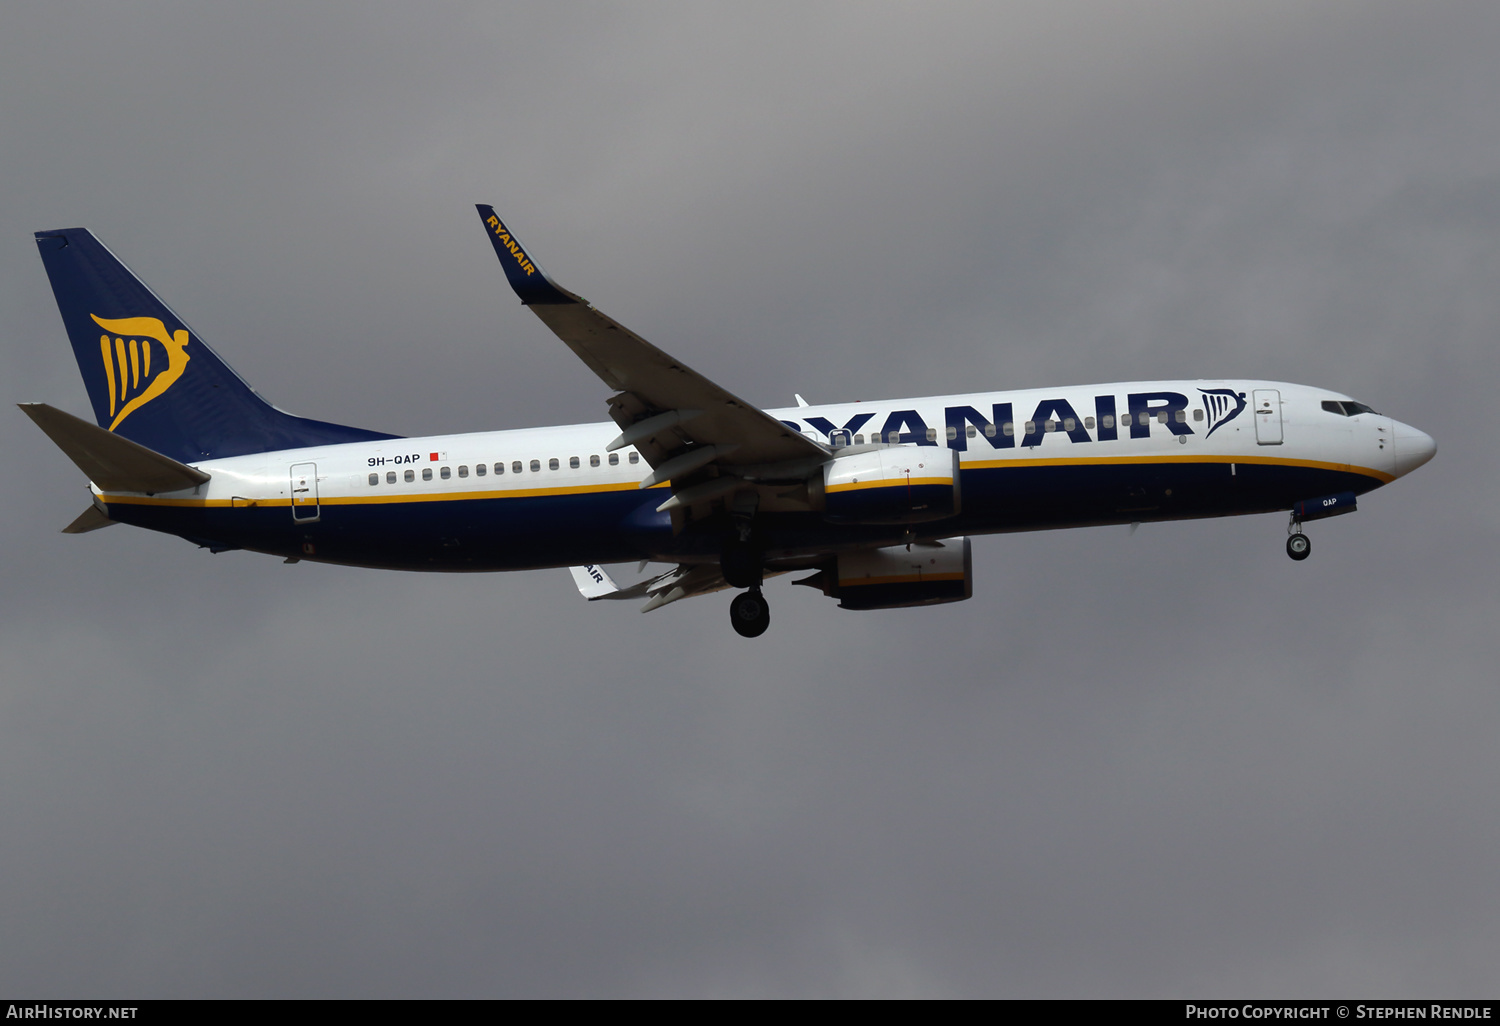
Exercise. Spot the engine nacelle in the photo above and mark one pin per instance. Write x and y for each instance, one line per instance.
(925, 574)
(899, 485)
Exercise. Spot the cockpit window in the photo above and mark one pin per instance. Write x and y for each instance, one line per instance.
(1346, 408)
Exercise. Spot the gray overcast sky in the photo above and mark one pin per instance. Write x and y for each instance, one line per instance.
(1172, 763)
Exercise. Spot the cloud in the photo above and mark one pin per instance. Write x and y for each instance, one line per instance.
(1133, 765)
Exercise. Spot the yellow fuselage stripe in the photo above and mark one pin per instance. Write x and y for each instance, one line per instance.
(890, 482)
(536, 493)
(1097, 461)
(363, 500)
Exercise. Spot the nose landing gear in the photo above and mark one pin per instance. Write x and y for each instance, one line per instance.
(1298, 545)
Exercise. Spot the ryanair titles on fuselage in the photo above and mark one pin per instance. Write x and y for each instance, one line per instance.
(1000, 428)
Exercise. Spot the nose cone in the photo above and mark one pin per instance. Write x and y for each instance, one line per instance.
(1413, 448)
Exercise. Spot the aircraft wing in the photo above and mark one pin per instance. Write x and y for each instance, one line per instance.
(678, 420)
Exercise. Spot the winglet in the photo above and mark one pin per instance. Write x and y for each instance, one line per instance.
(524, 274)
(593, 582)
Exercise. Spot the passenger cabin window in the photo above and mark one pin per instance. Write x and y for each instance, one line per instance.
(859, 439)
(445, 473)
(1198, 414)
(614, 459)
(515, 468)
(1050, 426)
(932, 434)
(1180, 416)
(573, 462)
(463, 471)
(374, 479)
(1009, 429)
(593, 461)
(1070, 424)
(1031, 427)
(426, 473)
(1109, 420)
(552, 464)
(989, 431)
(390, 477)
(536, 466)
(479, 470)
(635, 458)
(409, 476)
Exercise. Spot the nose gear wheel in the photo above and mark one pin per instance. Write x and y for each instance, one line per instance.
(1298, 546)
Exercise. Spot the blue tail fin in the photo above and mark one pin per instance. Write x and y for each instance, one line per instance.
(153, 380)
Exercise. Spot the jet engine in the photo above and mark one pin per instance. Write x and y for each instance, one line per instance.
(898, 485)
(920, 574)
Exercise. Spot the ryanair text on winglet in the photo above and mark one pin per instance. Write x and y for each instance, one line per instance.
(503, 234)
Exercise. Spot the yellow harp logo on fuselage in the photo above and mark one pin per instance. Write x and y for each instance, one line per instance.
(128, 360)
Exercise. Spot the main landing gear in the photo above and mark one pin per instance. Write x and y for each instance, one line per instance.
(750, 614)
(743, 566)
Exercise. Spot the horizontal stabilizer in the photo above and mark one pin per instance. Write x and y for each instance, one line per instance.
(113, 463)
(90, 519)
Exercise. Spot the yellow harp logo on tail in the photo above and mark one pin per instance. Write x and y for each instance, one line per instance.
(128, 360)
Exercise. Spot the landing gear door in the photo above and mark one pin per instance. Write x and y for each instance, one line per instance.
(304, 492)
(1268, 416)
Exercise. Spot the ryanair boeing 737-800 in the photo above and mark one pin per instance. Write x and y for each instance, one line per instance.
(876, 499)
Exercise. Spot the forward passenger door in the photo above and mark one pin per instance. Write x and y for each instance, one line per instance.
(1268, 416)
